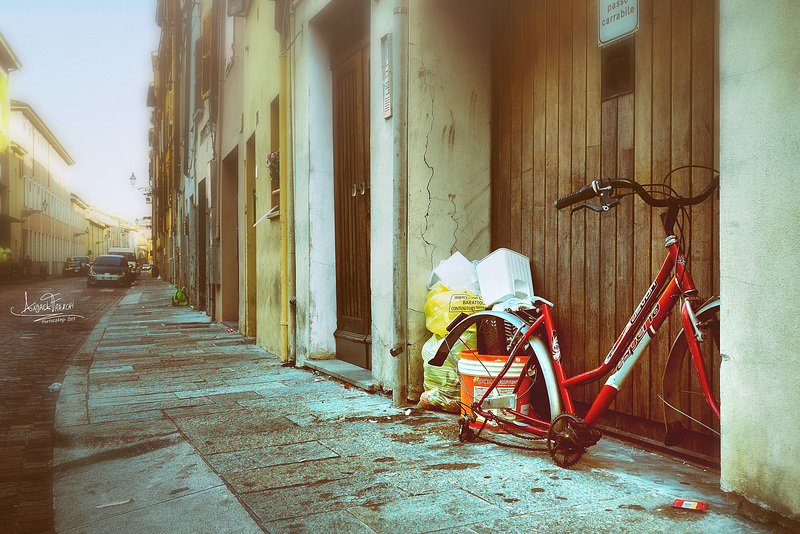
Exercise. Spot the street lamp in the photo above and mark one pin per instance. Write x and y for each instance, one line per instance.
(81, 233)
(29, 212)
(148, 191)
(145, 190)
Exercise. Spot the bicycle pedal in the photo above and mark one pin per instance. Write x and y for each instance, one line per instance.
(586, 435)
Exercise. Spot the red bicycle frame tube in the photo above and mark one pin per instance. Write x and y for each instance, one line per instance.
(650, 314)
(689, 331)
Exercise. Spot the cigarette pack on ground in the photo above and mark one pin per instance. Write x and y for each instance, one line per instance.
(696, 506)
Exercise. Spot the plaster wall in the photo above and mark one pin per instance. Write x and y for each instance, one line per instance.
(448, 198)
(230, 122)
(760, 110)
(381, 199)
(5, 110)
(449, 148)
(261, 86)
(201, 152)
(313, 189)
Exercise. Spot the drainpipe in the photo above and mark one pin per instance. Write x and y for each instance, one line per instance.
(399, 349)
(289, 183)
(283, 213)
(288, 300)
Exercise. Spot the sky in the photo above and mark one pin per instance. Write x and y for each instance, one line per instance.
(86, 67)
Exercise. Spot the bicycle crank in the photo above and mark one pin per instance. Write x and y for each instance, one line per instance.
(568, 438)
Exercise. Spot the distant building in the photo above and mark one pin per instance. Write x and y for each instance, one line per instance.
(43, 164)
(9, 211)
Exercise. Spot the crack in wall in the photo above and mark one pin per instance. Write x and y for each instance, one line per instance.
(423, 74)
(452, 199)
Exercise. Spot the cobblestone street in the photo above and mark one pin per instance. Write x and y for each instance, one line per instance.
(34, 355)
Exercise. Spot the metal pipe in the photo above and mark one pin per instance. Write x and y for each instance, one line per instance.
(290, 260)
(286, 206)
(284, 222)
(399, 350)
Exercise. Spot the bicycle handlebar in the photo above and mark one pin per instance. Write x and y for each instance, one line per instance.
(597, 187)
(584, 193)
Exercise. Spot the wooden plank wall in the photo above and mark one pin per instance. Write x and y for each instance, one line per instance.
(552, 134)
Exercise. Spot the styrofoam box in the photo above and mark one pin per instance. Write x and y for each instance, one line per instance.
(504, 274)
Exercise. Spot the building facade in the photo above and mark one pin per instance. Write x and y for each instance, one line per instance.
(344, 148)
(759, 104)
(42, 164)
(10, 232)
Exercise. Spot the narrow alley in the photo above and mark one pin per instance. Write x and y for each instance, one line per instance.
(169, 423)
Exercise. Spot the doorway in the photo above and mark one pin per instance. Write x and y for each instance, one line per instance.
(229, 240)
(351, 162)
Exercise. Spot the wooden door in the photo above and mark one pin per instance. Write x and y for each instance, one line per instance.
(352, 210)
(553, 132)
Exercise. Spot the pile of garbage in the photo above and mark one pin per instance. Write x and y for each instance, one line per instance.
(457, 285)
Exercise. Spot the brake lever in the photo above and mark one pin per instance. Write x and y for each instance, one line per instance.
(606, 203)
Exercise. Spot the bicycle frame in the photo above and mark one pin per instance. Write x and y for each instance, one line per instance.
(651, 313)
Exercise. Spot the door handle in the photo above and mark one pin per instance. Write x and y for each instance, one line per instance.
(353, 190)
(362, 188)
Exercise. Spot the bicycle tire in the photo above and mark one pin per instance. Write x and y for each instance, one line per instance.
(685, 408)
(543, 399)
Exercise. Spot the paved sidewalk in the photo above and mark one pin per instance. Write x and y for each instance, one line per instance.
(167, 423)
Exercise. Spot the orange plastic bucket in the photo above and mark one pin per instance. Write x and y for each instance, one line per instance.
(478, 371)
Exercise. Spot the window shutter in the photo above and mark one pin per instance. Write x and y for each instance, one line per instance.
(238, 8)
(208, 30)
(198, 73)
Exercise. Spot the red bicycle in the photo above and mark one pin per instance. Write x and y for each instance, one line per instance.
(530, 340)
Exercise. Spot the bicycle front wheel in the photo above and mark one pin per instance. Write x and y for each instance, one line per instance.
(687, 414)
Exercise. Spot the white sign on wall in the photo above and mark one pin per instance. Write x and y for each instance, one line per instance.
(617, 19)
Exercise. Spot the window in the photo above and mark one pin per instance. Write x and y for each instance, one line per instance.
(198, 79)
(229, 29)
(203, 48)
(238, 8)
(274, 169)
(108, 261)
(208, 34)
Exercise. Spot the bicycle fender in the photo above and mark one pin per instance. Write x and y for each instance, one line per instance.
(450, 340)
(549, 374)
(539, 347)
(671, 380)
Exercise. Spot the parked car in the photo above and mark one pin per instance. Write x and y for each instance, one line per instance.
(130, 255)
(76, 265)
(109, 269)
(146, 267)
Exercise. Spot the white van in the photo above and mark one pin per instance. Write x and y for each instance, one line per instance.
(130, 256)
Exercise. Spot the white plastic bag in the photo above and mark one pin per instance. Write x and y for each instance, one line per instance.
(441, 384)
(456, 272)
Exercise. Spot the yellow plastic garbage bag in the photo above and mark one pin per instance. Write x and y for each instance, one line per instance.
(442, 306)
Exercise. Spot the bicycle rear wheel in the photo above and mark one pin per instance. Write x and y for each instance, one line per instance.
(687, 415)
(527, 387)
